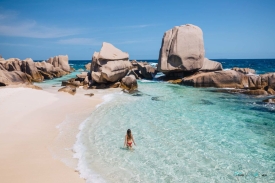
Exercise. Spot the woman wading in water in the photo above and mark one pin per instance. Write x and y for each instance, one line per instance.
(129, 139)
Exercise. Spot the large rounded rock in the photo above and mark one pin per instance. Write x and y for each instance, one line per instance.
(219, 79)
(182, 49)
(129, 83)
(107, 66)
(13, 78)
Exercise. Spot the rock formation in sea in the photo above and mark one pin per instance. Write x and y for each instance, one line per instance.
(182, 49)
(15, 71)
(181, 59)
(107, 68)
(109, 65)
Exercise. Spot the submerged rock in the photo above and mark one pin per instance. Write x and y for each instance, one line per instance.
(269, 100)
(182, 49)
(156, 98)
(255, 92)
(176, 81)
(207, 102)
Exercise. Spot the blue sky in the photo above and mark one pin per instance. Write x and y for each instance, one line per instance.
(42, 29)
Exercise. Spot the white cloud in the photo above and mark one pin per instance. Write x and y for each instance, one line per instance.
(79, 41)
(11, 25)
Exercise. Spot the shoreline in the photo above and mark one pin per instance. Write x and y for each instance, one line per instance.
(38, 132)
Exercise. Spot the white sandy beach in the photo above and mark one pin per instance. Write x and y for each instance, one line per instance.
(37, 132)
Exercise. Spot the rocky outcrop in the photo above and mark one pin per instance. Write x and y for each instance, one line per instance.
(13, 78)
(129, 83)
(244, 70)
(209, 66)
(88, 67)
(262, 81)
(146, 70)
(12, 64)
(28, 67)
(44, 66)
(268, 80)
(219, 79)
(109, 65)
(61, 61)
(37, 71)
(80, 80)
(182, 49)
(270, 91)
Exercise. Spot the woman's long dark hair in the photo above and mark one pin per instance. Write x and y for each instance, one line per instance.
(129, 134)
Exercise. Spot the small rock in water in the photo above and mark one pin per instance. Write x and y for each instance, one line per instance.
(156, 98)
(90, 94)
(207, 102)
(239, 174)
(137, 94)
(270, 100)
(264, 175)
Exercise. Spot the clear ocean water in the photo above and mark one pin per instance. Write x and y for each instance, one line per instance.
(183, 134)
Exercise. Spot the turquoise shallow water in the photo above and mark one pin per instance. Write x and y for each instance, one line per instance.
(183, 134)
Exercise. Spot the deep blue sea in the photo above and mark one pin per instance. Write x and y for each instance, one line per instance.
(183, 134)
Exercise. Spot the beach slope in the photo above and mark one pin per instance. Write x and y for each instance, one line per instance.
(29, 134)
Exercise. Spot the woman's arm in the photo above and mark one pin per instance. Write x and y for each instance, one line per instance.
(125, 141)
(133, 140)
